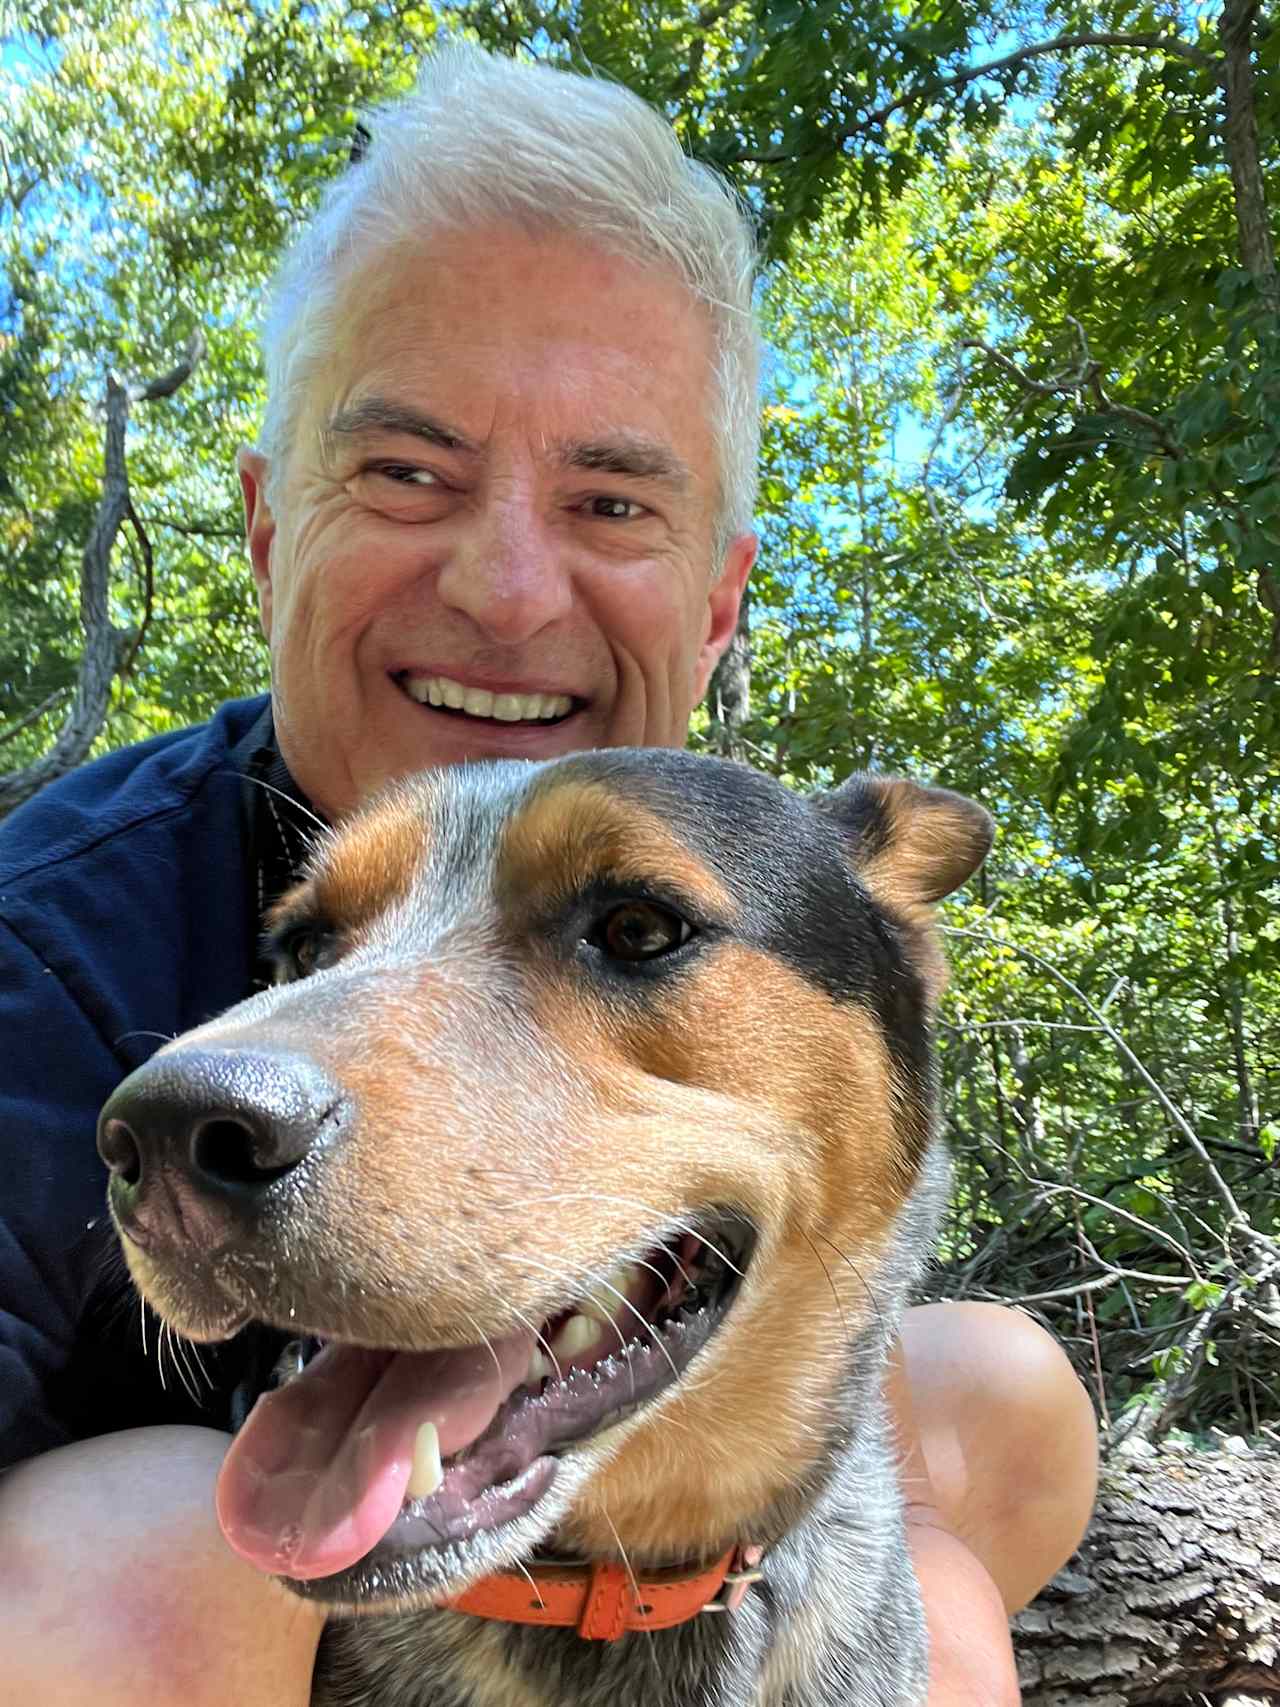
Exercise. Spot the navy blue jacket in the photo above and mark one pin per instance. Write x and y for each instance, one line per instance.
(125, 918)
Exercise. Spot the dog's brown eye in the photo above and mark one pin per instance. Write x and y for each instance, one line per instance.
(640, 931)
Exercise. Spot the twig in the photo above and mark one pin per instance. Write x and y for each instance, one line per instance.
(34, 716)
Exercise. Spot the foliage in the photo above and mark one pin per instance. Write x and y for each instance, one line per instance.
(1020, 513)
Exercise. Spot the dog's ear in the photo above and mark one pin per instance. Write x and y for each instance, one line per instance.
(910, 845)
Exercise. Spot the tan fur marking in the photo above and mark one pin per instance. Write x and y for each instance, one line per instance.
(372, 864)
(572, 832)
(750, 1088)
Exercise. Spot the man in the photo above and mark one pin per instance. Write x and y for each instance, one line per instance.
(502, 508)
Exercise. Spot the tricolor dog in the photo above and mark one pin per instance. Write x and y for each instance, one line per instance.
(577, 1168)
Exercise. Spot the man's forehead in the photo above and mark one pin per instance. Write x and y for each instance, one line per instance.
(420, 315)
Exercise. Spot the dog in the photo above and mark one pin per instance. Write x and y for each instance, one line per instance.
(577, 1168)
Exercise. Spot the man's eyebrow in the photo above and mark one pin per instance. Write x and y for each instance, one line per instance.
(630, 455)
(381, 415)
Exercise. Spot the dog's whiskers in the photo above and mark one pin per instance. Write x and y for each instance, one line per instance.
(640, 1317)
(520, 1316)
(297, 805)
(547, 1199)
(861, 1278)
(635, 1589)
(848, 1338)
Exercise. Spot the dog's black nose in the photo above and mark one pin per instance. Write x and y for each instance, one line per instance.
(212, 1130)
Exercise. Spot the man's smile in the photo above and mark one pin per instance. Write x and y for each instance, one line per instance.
(461, 699)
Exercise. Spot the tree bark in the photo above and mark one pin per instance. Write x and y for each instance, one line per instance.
(1174, 1597)
(1240, 139)
(105, 645)
(107, 650)
(729, 695)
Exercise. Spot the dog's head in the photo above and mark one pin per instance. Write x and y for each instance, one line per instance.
(568, 1158)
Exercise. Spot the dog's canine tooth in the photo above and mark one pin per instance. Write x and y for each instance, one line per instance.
(427, 1472)
(290, 1363)
(540, 1366)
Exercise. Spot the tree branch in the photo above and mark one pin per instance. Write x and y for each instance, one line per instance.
(1143, 42)
(108, 650)
(34, 715)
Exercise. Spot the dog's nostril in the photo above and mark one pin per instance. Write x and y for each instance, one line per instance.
(230, 1151)
(121, 1151)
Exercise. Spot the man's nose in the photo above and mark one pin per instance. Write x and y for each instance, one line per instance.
(508, 573)
(195, 1140)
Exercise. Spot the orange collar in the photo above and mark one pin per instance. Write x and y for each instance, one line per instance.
(604, 1600)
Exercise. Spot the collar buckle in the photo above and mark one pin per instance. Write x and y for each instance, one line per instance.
(738, 1579)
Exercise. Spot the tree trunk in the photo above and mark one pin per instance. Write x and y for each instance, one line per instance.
(1240, 135)
(104, 644)
(729, 695)
(1174, 1597)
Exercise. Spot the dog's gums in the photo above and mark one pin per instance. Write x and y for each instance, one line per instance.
(362, 1473)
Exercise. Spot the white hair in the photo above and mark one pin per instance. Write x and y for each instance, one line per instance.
(483, 138)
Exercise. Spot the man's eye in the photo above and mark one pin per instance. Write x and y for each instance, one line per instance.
(406, 474)
(615, 509)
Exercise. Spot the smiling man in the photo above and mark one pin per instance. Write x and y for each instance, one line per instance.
(497, 534)
(501, 507)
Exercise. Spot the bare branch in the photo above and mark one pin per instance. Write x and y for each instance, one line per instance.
(1234, 1212)
(1087, 374)
(108, 650)
(167, 383)
(34, 715)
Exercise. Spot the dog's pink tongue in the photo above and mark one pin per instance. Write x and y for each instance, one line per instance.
(319, 1471)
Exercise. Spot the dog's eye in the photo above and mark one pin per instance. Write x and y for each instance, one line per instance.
(302, 951)
(638, 930)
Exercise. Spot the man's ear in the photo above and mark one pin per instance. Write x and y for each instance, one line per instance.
(910, 845)
(259, 526)
(724, 600)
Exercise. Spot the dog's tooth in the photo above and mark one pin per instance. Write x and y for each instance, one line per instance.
(580, 1333)
(604, 1304)
(290, 1364)
(427, 1472)
(539, 1367)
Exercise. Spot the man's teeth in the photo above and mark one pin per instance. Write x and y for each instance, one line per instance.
(478, 702)
(427, 1472)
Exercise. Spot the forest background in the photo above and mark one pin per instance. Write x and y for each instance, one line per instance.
(1020, 516)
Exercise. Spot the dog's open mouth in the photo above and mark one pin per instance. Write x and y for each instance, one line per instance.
(360, 1473)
